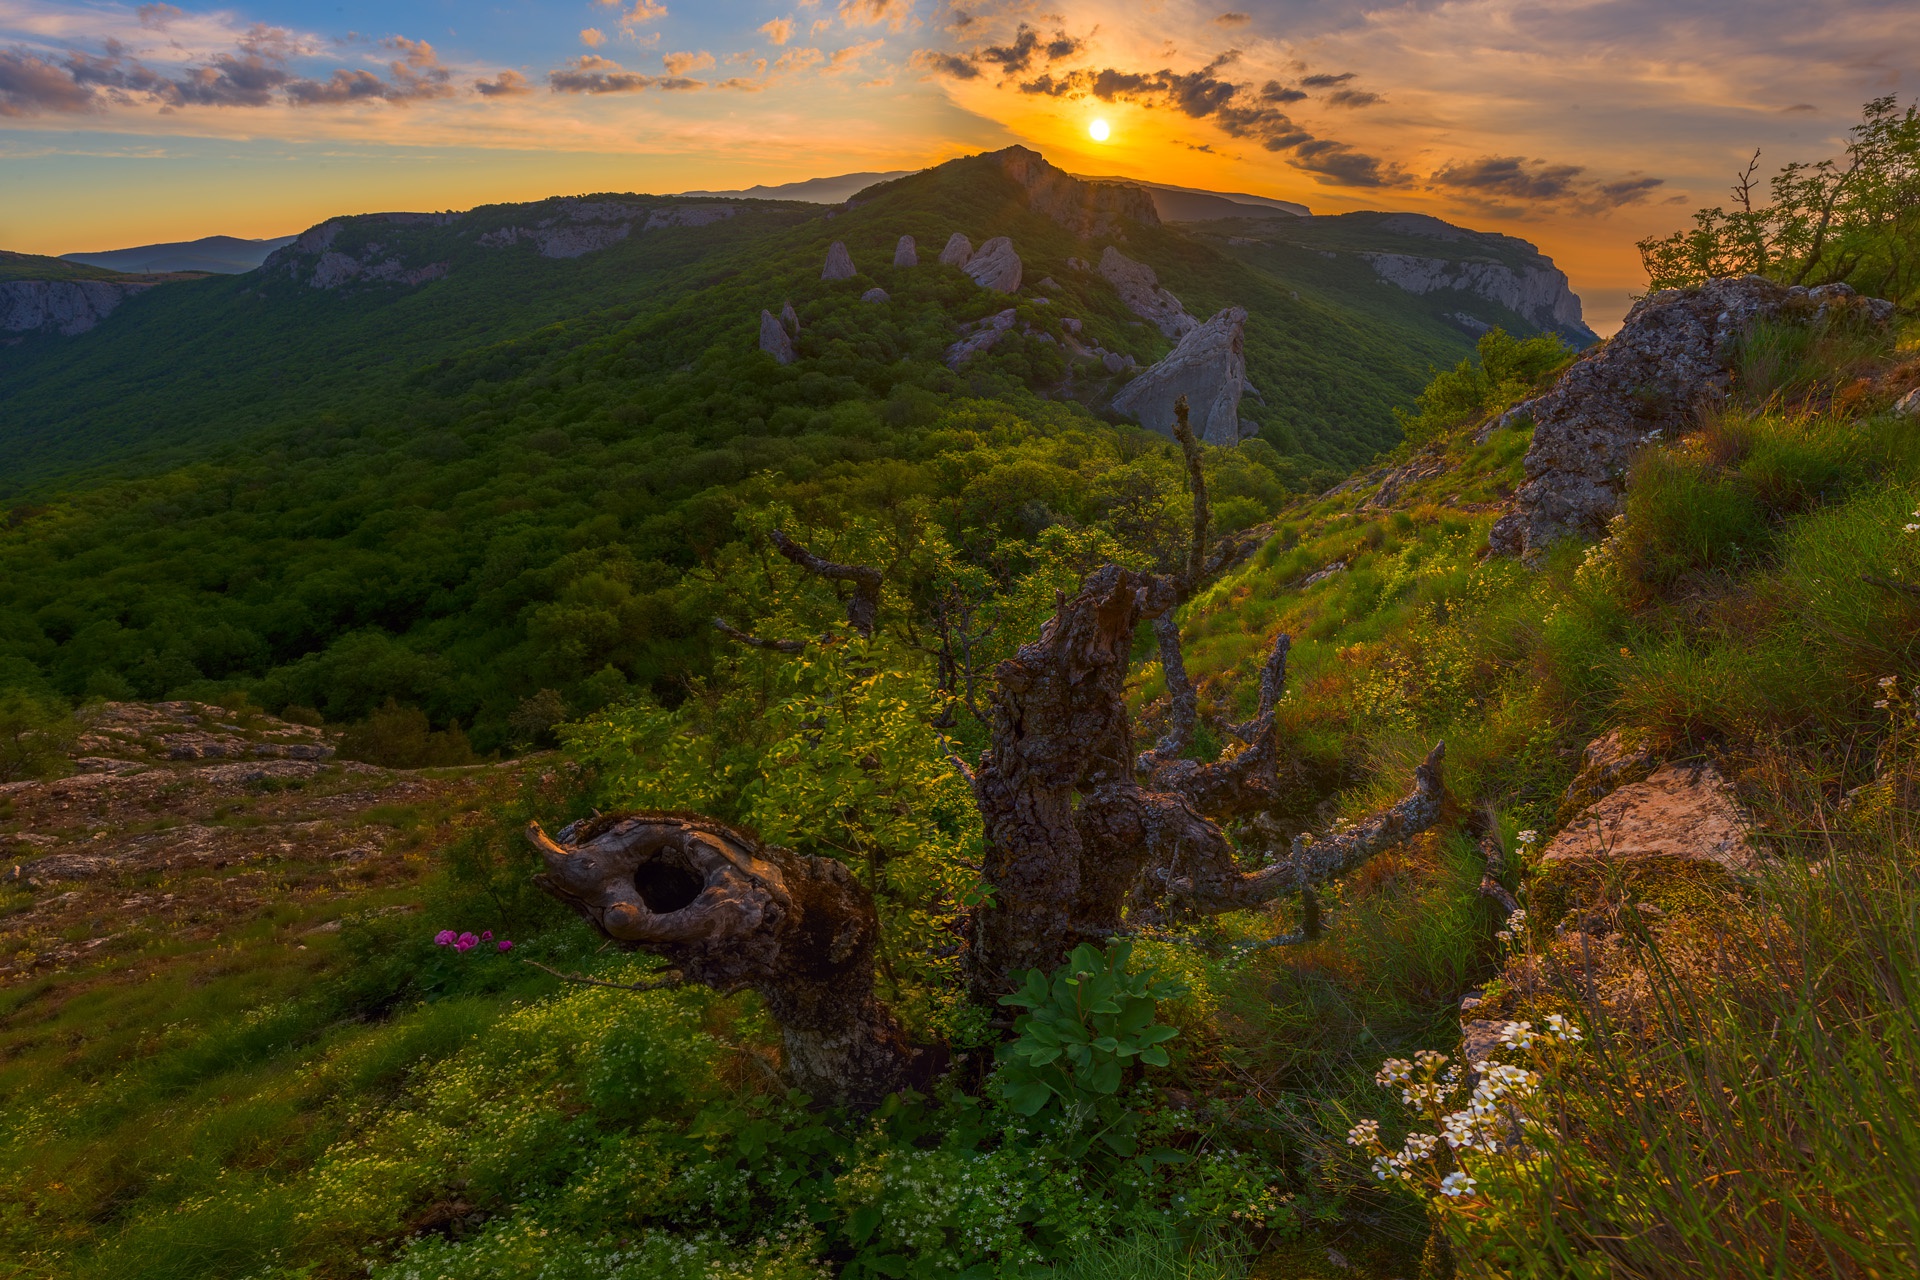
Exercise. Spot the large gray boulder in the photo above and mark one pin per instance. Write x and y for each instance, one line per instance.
(959, 249)
(774, 339)
(996, 266)
(1209, 368)
(985, 334)
(839, 263)
(1139, 288)
(1672, 358)
(905, 254)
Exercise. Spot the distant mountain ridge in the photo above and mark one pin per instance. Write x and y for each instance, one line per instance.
(218, 255)
(835, 190)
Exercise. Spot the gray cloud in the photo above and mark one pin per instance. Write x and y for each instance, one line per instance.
(1337, 164)
(1232, 20)
(508, 84)
(1352, 98)
(590, 74)
(1537, 183)
(1274, 91)
(1326, 81)
(31, 86)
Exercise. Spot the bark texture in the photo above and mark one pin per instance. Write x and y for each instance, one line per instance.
(733, 914)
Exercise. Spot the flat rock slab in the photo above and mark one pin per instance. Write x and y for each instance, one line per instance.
(1684, 812)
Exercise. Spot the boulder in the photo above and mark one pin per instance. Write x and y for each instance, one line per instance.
(959, 249)
(1209, 368)
(996, 266)
(1071, 324)
(985, 333)
(1140, 290)
(1673, 357)
(1115, 362)
(1685, 813)
(774, 339)
(905, 254)
(874, 295)
(839, 263)
(789, 320)
(1908, 406)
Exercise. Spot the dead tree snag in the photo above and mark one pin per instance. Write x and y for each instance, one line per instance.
(734, 914)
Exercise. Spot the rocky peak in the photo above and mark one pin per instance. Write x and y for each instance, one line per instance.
(65, 307)
(1088, 209)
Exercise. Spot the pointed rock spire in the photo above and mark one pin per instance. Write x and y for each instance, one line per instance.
(958, 250)
(906, 254)
(773, 338)
(839, 263)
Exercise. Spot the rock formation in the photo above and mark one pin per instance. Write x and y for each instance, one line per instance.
(1539, 294)
(1908, 406)
(774, 339)
(839, 263)
(984, 335)
(66, 307)
(874, 295)
(1209, 368)
(1672, 358)
(996, 266)
(905, 254)
(1087, 209)
(789, 320)
(1139, 288)
(581, 227)
(958, 250)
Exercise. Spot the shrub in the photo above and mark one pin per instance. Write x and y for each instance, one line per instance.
(1508, 369)
(35, 735)
(398, 737)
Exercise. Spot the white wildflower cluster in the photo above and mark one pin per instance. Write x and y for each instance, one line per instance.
(1486, 1123)
(1528, 837)
(1516, 926)
(1889, 688)
(1910, 527)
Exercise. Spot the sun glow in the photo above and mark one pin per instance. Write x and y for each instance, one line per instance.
(1099, 131)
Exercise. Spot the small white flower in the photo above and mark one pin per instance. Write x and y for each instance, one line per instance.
(1528, 836)
(1364, 1134)
(1518, 1034)
(1457, 1184)
(1562, 1030)
(1887, 682)
(1881, 705)
(1910, 528)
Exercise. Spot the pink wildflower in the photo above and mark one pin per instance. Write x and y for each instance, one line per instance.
(506, 944)
(486, 936)
(444, 938)
(465, 942)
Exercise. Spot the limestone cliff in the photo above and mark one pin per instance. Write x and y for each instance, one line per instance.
(1209, 368)
(1085, 208)
(66, 307)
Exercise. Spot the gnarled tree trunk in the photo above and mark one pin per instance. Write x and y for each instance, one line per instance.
(731, 913)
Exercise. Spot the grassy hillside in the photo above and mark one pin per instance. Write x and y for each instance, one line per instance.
(324, 1103)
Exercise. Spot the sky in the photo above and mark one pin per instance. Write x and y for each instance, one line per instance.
(1580, 125)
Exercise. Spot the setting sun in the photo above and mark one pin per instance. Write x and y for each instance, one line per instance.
(1099, 130)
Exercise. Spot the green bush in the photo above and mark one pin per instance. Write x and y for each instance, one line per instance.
(398, 737)
(35, 736)
(1508, 369)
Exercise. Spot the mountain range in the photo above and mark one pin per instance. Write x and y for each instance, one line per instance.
(219, 255)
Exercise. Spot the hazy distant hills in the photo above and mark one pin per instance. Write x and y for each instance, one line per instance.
(836, 190)
(221, 255)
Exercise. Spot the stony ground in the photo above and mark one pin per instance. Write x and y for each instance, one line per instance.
(182, 820)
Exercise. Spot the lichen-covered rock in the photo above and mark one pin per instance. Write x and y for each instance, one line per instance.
(996, 266)
(1209, 368)
(839, 264)
(1613, 760)
(875, 295)
(905, 254)
(1672, 357)
(1684, 813)
(959, 249)
(774, 339)
(1139, 288)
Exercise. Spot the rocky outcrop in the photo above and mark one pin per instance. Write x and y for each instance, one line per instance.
(1139, 288)
(1681, 813)
(580, 227)
(985, 334)
(65, 307)
(774, 339)
(1671, 358)
(1537, 292)
(1088, 209)
(839, 265)
(875, 295)
(959, 249)
(996, 266)
(789, 320)
(1209, 368)
(905, 254)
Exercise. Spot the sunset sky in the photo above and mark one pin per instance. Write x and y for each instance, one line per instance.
(1581, 125)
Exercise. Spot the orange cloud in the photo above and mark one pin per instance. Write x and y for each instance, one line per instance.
(592, 37)
(678, 64)
(778, 31)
